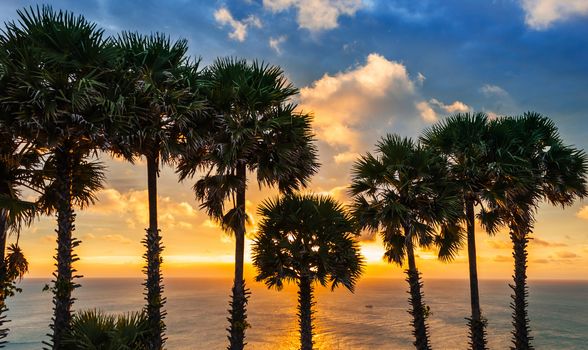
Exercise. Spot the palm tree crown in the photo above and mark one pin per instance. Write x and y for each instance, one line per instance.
(255, 128)
(309, 236)
(550, 171)
(57, 67)
(464, 139)
(161, 101)
(403, 191)
(306, 239)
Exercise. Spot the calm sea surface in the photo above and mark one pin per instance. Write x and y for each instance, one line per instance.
(197, 313)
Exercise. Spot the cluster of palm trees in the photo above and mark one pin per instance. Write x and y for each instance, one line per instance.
(69, 93)
(426, 192)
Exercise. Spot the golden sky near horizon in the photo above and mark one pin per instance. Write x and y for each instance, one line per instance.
(352, 109)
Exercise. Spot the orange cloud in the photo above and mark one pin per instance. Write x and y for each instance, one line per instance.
(567, 255)
(540, 242)
(503, 258)
(353, 107)
(583, 213)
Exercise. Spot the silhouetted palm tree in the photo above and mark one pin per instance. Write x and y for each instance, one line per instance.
(18, 159)
(306, 239)
(551, 171)
(403, 191)
(464, 140)
(160, 104)
(256, 130)
(56, 66)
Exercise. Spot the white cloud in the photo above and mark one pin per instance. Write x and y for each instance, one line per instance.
(427, 111)
(224, 17)
(493, 90)
(316, 15)
(354, 108)
(541, 14)
(275, 43)
(455, 107)
(421, 78)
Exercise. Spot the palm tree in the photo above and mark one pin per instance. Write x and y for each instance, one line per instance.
(464, 140)
(17, 158)
(160, 102)
(56, 66)
(306, 239)
(404, 191)
(553, 172)
(255, 130)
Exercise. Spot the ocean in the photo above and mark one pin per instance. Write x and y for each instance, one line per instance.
(373, 318)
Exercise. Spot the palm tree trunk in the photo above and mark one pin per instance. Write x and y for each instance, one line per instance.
(64, 278)
(305, 312)
(152, 241)
(420, 328)
(520, 320)
(476, 323)
(238, 317)
(3, 278)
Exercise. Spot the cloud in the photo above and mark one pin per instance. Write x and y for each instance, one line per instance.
(541, 261)
(116, 238)
(583, 213)
(503, 258)
(132, 206)
(275, 43)
(354, 108)
(316, 15)
(541, 14)
(493, 91)
(507, 245)
(224, 17)
(455, 107)
(346, 157)
(567, 255)
(544, 243)
(427, 111)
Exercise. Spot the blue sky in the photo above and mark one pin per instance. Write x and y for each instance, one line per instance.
(459, 46)
(366, 68)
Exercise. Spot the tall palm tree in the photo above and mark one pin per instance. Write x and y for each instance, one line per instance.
(306, 239)
(255, 130)
(56, 65)
(160, 103)
(465, 140)
(553, 172)
(404, 192)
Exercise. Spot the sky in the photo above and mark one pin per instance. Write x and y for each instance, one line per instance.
(365, 68)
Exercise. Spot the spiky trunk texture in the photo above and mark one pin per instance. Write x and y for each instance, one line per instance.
(305, 312)
(3, 278)
(476, 323)
(238, 317)
(153, 283)
(64, 277)
(521, 339)
(419, 324)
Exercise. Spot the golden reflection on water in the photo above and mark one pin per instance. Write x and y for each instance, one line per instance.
(290, 339)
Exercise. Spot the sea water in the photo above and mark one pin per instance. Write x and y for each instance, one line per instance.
(374, 317)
